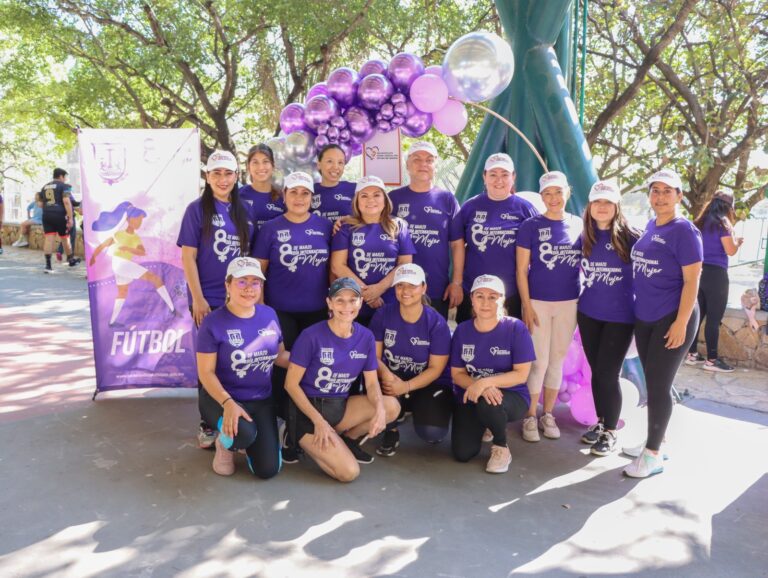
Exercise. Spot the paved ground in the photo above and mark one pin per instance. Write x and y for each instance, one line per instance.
(117, 488)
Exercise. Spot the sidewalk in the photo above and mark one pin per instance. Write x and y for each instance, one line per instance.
(117, 487)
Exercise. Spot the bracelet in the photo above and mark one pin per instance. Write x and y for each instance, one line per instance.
(223, 403)
(408, 393)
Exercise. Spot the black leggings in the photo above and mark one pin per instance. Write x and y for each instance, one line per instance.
(660, 366)
(605, 345)
(291, 324)
(431, 407)
(513, 304)
(258, 437)
(713, 299)
(470, 420)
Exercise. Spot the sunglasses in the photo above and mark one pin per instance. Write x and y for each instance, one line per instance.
(245, 284)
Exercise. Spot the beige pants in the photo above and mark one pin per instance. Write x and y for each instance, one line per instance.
(551, 339)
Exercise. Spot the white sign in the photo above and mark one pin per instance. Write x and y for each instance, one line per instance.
(381, 158)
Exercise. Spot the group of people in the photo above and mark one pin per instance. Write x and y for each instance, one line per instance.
(325, 305)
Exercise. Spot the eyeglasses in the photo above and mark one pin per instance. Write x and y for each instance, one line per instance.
(245, 284)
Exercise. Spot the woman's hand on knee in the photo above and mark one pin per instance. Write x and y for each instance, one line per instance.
(493, 396)
(378, 421)
(232, 414)
(325, 436)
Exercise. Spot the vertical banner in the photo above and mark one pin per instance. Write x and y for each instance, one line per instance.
(136, 185)
(381, 158)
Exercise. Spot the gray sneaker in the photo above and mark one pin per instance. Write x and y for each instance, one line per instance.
(548, 425)
(592, 434)
(531, 429)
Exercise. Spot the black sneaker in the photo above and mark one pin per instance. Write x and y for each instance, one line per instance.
(48, 269)
(717, 365)
(605, 445)
(592, 434)
(694, 358)
(389, 443)
(289, 454)
(360, 454)
(74, 261)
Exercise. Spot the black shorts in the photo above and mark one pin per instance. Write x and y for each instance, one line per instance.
(55, 223)
(331, 408)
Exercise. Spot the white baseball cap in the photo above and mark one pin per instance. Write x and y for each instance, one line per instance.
(422, 146)
(299, 179)
(409, 273)
(243, 267)
(499, 161)
(553, 179)
(606, 191)
(488, 282)
(667, 177)
(370, 181)
(221, 160)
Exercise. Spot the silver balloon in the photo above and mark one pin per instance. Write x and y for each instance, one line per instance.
(478, 67)
(299, 147)
(277, 144)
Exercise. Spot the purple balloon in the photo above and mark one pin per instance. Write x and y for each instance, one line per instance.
(373, 67)
(429, 93)
(344, 135)
(321, 141)
(292, 118)
(356, 148)
(359, 123)
(347, 150)
(332, 134)
(403, 69)
(397, 121)
(451, 119)
(342, 85)
(338, 122)
(417, 123)
(398, 97)
(374, 90)
(320, 109)
(319, 88)
(387, 111)
(435, 69)
(384, 126)
(401, 109)
(323, 128)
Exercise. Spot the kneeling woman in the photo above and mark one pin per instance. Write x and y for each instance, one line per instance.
(413, 343)
(236, 348)
(326, 360)
(491, 357)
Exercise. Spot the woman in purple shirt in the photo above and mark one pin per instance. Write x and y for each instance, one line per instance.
(237, 346)
(666, 263)
(412, 344)
(215, 229)
(548, 259)
(261, 197)
(489, 225)
(716, 225)
(606, 307)
(370, 244)
(328, 423)
(332, 198)
(491, 357)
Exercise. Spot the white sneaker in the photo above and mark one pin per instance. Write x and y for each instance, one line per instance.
(224, 460)
(487, 436)
(531, 429)
(635, 451)
(21, 243)
(499, 460)
(548, 425)
(645, 465)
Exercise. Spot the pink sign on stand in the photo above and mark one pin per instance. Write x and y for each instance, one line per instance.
(136, 185)
(381, 158)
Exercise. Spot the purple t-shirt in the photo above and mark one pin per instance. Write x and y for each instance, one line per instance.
(245, 350)
(260, 206)
(372, 254)
(429, 217)
(607, 293)
(714, 252)
(335, 202)
(215, 252)
(490, 230)
(297, 276)
(657, 261)
(491, 353)
(555, 256)
(407, 346)
(333, 363)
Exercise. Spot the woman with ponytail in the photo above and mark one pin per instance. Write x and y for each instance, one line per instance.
(262, 197)
(127, 245)
(216, 228)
